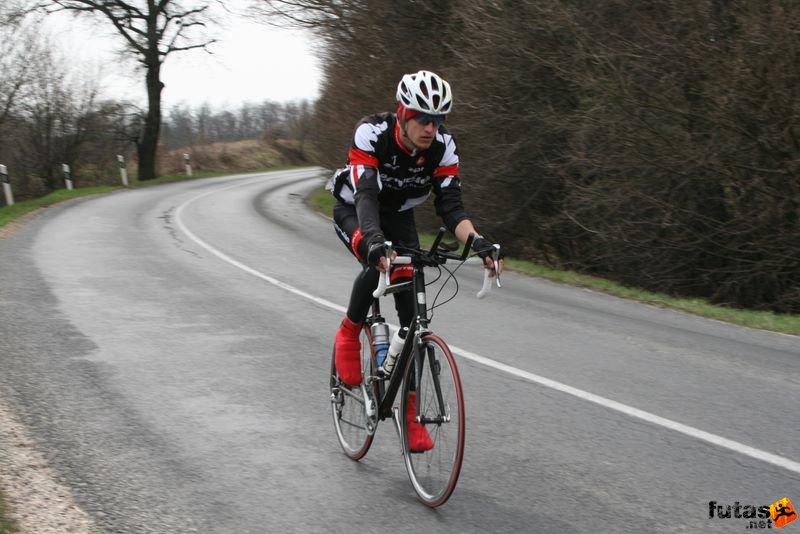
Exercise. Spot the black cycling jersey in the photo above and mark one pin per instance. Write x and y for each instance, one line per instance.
(382, 176)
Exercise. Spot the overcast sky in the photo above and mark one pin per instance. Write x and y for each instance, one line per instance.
(252, 62)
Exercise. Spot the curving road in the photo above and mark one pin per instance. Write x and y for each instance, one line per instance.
(168, 347)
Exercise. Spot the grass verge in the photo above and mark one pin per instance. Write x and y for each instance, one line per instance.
(7, 526)
(787, 324)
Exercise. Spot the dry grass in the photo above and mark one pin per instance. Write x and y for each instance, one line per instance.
(236, 156)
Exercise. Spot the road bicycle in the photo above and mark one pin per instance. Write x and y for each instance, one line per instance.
(425, 366)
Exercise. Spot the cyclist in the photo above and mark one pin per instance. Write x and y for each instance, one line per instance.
(394, 162)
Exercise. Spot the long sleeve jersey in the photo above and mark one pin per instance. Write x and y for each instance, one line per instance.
(381, 175)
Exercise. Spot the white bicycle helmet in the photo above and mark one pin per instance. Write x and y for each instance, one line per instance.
(426, 92)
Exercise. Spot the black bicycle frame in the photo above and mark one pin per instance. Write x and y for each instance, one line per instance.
(417, 328)
(388, 391)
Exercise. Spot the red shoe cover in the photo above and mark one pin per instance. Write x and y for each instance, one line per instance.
(348, 353)
(418, 438)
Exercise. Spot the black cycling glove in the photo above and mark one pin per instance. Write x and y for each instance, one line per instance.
(483, 247)
(376, 251)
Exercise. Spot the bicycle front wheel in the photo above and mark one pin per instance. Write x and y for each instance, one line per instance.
(432, 377)
(354, 409)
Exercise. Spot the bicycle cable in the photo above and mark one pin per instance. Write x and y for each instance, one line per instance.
(439, 272)
(452, 275)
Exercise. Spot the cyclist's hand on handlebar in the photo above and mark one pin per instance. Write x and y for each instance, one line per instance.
(483, 247)
(376, 256)
(486, 250)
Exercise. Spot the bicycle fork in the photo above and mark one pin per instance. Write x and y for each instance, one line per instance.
(423, 354)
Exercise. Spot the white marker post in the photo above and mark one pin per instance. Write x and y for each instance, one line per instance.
(67, 177)
(122, 171)
(6, 186)
(188, 161)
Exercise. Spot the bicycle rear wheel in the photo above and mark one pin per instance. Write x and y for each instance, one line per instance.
(354, 409)
(440, 403)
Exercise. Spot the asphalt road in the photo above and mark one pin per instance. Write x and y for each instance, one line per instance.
(169, 348)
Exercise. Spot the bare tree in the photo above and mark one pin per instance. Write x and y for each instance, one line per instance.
(46, 110)
(19, 46)
(55, 116)
(151, 30)
(326, 16)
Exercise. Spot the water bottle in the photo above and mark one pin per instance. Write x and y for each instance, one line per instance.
(380, 340)
(396, 346)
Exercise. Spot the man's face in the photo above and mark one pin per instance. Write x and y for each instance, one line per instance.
(421, 130)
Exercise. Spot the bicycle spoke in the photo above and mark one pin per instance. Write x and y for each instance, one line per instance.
(356, 397)
(354, 425)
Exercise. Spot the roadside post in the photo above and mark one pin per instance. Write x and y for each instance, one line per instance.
(188, 161)
(123, 172)
(6, 186)
(67, 177)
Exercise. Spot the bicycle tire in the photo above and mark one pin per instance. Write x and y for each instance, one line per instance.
(355, 428)
(434, 473)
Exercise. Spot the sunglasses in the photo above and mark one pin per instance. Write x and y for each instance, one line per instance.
(425, 119)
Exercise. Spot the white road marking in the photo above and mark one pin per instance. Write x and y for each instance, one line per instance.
(696, 433)
(224, 257)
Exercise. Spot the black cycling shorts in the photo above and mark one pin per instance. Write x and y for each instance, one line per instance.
(398, 227)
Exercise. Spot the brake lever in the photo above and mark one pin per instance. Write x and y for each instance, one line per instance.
(383, 279)
(487, 281)
(496, 262)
